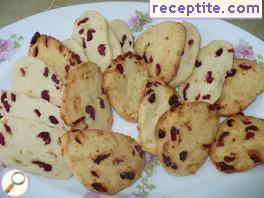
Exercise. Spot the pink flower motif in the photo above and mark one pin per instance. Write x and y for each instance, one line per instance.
(244, 50)
(133, 21)
(149, 157)
(90, 194)
(6, 49)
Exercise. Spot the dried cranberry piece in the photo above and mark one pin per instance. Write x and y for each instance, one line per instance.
(99, 187)
(229, 159)
(13, 97)
(66, 68)
(128, 175)
(130, 43)
(117, 161)
(45, 136)
(152, 98)
(231, 50)
(150, 84)
(45, 95)
(230, 73)
(246, 122)
(90, 34)
(183, 155)
(158, 69)
(55, 79)
(245, 66)
(224, 167)
(4, 97)
(140, 151)
(161, 133)
(174, 133)
(230, 122)
(190, 42)
(251, 128)
(255, 158)
(219, 52)
(45, 166)
(120, 68)
(46, 72)
(46, 42)
(36, 111)
(174, 166)
(124, 37)
(197, 97)
(90, 110)
(34, 38)
(61, 48)
(101, 157)
(173, 101)
(84, 20)
(187, 86)
(53, 120)
(206, 97)
(83, 43)
(94, 174)
(166, 160)
(221, 138)
(102, 104)
(198, 63)
(249, 135)
(101, 49)
(209, 77)
(211, 107)
(7, 128)
(150, 59)
(23, 72)
(149, 91)
(2, 139)
(81, 31)
(145, 58)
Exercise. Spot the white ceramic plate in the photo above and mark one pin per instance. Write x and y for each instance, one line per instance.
(207, 182)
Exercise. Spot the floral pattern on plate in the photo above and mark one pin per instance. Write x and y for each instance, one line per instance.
(8, 46)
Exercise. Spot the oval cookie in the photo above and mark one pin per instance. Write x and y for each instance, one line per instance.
(123, 33)
(104, 162)
(189, 56)
(206, 82)
(54, 53)
(91, 30)
(124, 83)
(158, 98)
(32, 146)
(38, 109)
(243, 83)
(83, 103)
(161, 46)
(183, 136)
(239, 144)
(34, 78)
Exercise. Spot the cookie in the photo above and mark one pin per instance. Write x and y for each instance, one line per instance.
(34, 78)
(158, 98)
(91, 30)
(38, 109)
(104, 162)
(54, 53)
(83, 103)
(75, 47)
(124, 83)
(189, 56)
(123, 33)
(115, 45)
(206, 82)
(161, 46)
(239, 144)
(183, 136)
(32, 146)
(242, 85)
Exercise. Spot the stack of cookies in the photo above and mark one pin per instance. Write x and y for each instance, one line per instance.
(57, 120)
